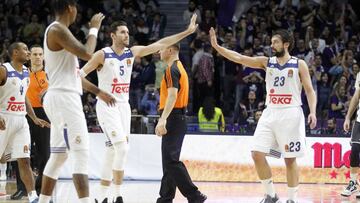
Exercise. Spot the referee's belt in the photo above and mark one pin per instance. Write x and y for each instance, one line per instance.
(181, 111)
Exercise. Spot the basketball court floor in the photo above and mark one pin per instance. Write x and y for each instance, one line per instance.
(217, 192)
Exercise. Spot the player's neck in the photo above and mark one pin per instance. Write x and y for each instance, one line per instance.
(18, 66)
(171, 60)
(118, 49)
(36, 68)
(63, 19)
(283, 59)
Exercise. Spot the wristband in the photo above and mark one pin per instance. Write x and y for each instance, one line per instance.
(82, 73)
(93, 31)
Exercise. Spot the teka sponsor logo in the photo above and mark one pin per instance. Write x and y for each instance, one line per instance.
(119, 88)
(15, 106)
(279, 98)
(327, 155)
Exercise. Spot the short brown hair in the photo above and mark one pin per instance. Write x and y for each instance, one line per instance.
(114, 26)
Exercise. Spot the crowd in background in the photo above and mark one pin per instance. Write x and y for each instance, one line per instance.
(326, 36)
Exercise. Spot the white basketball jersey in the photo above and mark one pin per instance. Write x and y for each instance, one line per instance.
(115, 75)
(62, 68)
(13, 92)
(283, 85)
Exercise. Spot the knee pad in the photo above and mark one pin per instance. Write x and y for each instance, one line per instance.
(80, 161)
(354, 156)
(121, 150)
(53, 165)
(106, 172)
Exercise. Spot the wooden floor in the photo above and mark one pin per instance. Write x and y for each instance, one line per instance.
(217, 192)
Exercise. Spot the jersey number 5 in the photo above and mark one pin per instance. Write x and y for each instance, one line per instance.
(122, 70)
(279, 81)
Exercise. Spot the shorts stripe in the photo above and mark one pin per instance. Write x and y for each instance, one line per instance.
(275, 153)
(66, 138)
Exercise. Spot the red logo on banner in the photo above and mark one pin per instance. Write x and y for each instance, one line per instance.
(330, 155)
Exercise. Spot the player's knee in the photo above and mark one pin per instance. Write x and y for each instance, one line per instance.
(121, 150)
(257, 156)
(80, 161)
(354, 156)
(54, 164)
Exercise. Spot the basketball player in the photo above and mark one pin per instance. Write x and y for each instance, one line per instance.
(282, 124)
(353, 185)
(14, 128)
(62, 102)
(114, 68)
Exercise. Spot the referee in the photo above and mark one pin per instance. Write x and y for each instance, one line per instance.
(40, 137)
(174, 93)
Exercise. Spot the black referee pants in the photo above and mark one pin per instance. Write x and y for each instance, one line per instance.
(174, 171)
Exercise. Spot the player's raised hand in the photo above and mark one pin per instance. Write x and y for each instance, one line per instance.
(2, 123)
(312, 120)
(346, 125)
(107, 98)
(213, 38)
(192, 26)
(96, 20)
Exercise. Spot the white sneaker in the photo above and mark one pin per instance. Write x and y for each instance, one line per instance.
(350, 189)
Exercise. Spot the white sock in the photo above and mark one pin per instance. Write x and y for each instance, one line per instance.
(44, 198)
(292, 193)
(103, 192)
(353, 176)
(117, 192)
(268, 186)
(84, 200)
(32, 195)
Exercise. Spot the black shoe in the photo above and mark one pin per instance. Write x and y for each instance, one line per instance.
(199, 198)
(119, 200)
(104, 201)
(18, 195)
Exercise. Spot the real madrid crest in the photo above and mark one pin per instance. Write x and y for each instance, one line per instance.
(290, 73)
(113, 133)
(128, 62)
(78, 140)
(111, 63)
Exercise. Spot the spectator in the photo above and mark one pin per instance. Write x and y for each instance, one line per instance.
(208, 21)
(157, 27)
(323, 95)
(142, 32)
(331, 128)
(190, 11)
(150, 100)
(135, 93)
(160, 67)
(204, 75)
(143, 4)
(339, 104)
(300, 51)
(33, 30)
(245, 112)
(211, 118)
